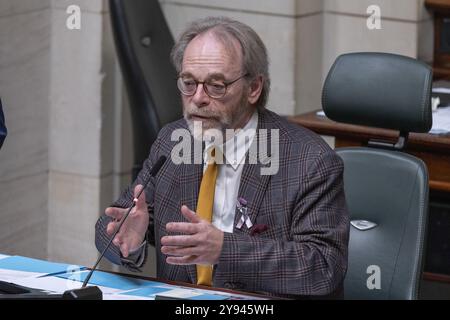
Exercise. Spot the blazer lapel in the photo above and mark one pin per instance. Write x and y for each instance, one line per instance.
(189, 179)
(253, 184)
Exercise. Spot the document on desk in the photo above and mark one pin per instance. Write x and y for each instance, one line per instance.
(441, 121)
(12, 275)
(59, 277)
(54, 284)
(143, 289)
(17, 267)
(178, 293)
(101, 278)
(44, 275)
(441, 90)
(24, 264)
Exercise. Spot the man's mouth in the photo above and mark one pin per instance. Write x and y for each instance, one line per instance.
(199, 118)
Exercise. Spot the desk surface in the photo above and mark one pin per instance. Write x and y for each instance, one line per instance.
(434, 150)
(58, 277)
(325, 126)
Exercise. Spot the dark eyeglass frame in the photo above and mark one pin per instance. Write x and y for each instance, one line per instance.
(205, 86)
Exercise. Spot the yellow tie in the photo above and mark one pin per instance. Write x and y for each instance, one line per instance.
(205, 211)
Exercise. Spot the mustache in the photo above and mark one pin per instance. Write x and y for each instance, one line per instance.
(209, 115)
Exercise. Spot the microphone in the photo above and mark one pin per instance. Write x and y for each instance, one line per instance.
(95, 291)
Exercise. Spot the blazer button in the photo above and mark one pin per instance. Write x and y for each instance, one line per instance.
(228, 285)
(239, 285)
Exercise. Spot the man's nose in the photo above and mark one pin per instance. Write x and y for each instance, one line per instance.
(200, 98)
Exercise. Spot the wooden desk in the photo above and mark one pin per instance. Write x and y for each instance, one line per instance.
(434, 150)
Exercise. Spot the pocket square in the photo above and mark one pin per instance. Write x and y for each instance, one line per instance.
(258, 229)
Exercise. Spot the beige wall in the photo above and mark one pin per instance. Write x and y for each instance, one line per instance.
(57, 164)
(25, 37)
(274, 21)
(68, 152)
(345, 29)
(82, 96)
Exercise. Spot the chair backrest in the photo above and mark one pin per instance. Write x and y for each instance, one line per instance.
(386, 189)
(143, 44)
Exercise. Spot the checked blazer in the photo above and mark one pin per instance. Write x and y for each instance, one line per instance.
(298, 244)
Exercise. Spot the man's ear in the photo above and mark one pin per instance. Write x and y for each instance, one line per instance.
(255, 89)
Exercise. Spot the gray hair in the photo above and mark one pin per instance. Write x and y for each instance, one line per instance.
(254, 52)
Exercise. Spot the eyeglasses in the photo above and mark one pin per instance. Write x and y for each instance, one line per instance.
(213, 88)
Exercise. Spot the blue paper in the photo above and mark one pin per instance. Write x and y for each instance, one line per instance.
(19, 263)
(209, 297)
(155, 290)
(100, 278)
(147, 291)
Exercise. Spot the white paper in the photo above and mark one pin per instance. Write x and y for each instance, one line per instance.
(441, 121)
(57, 285)
(13, 275)
(119, 296)
(441, 90)
(181, 293)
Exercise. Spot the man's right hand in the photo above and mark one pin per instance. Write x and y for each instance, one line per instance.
(132, 232)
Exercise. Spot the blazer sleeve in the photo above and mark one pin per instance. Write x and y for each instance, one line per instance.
(138, 258)
(313, 261)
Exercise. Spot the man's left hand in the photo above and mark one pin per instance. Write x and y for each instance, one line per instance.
(200, 242)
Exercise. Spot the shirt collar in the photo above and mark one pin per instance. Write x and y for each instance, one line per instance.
(235, 148)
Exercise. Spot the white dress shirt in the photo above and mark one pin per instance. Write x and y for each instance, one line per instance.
(229, 173)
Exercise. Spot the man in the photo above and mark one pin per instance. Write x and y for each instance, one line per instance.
(227, 224)
(2, 126)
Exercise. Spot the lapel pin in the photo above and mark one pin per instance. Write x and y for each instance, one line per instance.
(243, 210)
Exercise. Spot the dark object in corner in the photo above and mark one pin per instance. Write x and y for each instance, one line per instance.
(143, 44)
(3, 131)
(11, 291)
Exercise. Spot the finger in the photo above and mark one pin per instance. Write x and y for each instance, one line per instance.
(178, 251)
(190, 215)
(111, 227)
(116, 213)
(116, 241)
(140, 202)
(124, 249)
(179, 241)
(182, 227)
(186, 260)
